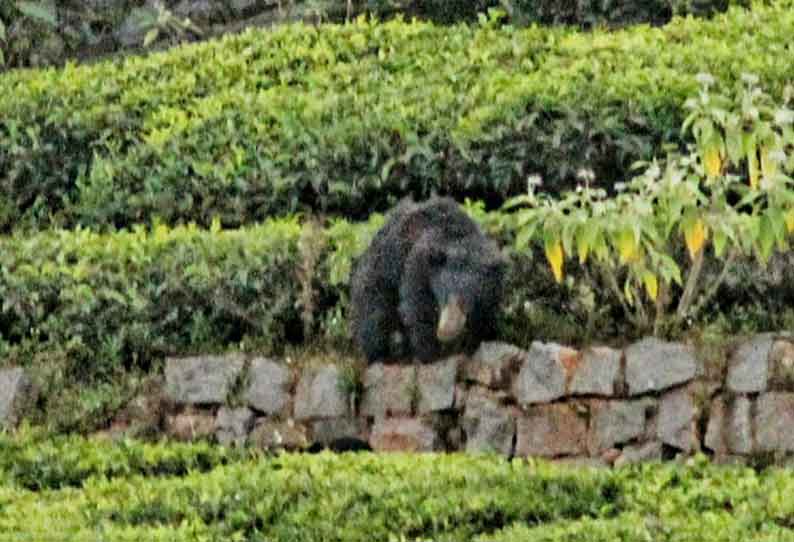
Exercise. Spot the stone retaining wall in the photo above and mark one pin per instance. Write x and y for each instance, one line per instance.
(651, 400)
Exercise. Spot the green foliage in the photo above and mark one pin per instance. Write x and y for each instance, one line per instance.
(647, 245)
(132, 296)
(323, 497)
(47, 462)
(345, 118)
(176, 492)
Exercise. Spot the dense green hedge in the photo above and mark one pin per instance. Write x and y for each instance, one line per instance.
(122, 298)
(49, 33)
(36, 462)
(100, 303)
(352, 497)
(345, 118)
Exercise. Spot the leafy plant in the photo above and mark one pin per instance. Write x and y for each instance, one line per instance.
(345, 119)
(636, 243)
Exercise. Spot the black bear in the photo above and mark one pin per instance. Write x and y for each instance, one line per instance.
(429, 284)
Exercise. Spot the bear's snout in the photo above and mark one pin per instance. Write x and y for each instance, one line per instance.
(452, 320)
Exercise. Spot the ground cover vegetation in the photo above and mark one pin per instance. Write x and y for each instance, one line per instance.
(130, 491)
(46, 32)
(346, 118)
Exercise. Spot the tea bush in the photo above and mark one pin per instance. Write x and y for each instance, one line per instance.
(346, 118)
(365, 496)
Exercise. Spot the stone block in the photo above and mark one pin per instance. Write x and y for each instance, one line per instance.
(677, 421)
(781, 366)
(319, 394)
(17, 394)
(436, 383)
(748, 367)
(655, 365)
(615, 422)
(190, 425)
(269, 386)
(774, 422)
(232, 425)
(543, 374)
(274, 435)
(329, 430)
(597, 373)
(489, 426)
(389, 390)
(404, 435)
(551, 431)
(640, 453)
(494, 364)
(202, 380)
(729, 429)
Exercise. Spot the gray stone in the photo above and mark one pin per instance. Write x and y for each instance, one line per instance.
(278, 435)
(247, 8)
(404, 435)
(436, 383)
(232, 425)
(131, 32)
(676, 424)
(598, 372)
(319, 394)
(730, 427)
(200, 11)
(781, 366)
(388, 390)
(551, 431)
(16, 395)
(493, 364)
(654, 365)
(543, 374)
(189, 425)
(615, 422)
(269, 387)
(640, 453)
(201, 380)
(331, 429)
(748, 368)
(774, 422)
(489, 426)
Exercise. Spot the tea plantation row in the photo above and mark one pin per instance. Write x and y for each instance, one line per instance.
(344, 118)
(114, 493)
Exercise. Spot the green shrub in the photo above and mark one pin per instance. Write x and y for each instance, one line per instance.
(38, 462)
(347, 118)
(730, 196)
(123, 298)
(352, 497)
(325, 497)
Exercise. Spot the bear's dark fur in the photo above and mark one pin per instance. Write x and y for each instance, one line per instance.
(430, 284)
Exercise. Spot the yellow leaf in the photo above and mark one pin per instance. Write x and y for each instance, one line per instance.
(752, 168)
(583, 249)
(627, 246)
(554, 256)
(712, 160)
(651, 284)
(768, 166)
(695, 235)
(161, 233)
(790, 221)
